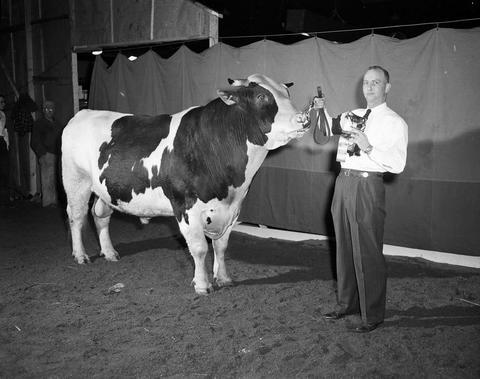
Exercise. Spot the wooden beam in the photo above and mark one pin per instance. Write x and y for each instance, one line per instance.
(21, 27)
(74, 59)
(12, 28)
(45, 20)
(76, 101)
(9, 78)
(212, 30)
(31, 89)
(119, 45)
(50, 79)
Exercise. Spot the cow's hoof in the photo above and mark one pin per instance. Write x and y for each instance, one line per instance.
(111, 256)
(203, 291)
(81, 259)
(220, 283)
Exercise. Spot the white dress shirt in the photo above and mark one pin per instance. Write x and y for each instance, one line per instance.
(387, 132)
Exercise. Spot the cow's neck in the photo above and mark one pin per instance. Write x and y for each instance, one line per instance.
(256, 156)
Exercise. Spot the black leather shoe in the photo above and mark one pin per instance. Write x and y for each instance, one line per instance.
(334, 315)
(366, 328)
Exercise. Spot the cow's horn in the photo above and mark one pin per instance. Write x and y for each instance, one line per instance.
(238, 82)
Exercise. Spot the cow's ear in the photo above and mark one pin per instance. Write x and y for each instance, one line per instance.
(288, 85)
(227, 97)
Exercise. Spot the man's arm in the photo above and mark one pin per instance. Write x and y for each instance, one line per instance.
(392, 152)
(36, 142)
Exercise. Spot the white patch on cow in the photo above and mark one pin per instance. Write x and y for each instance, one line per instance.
(101, 209)
(81, 141)
(149, 204)
(256, 155)
(217, 215)
(106, 164)
(174, 124)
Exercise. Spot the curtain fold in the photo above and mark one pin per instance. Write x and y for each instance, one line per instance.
(434, 204)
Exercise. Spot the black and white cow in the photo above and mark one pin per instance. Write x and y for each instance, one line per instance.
(196, 165)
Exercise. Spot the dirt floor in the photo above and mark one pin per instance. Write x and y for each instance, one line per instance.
(59, 319)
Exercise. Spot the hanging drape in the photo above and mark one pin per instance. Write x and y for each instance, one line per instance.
(434, 204)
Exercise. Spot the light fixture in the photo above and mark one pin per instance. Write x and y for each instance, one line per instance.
(97, 52)
(132, 58)
(305, 34)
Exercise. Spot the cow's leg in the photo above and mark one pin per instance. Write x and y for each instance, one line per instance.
(198, 247)
(78, 193)
(101, 213)
(220, 276)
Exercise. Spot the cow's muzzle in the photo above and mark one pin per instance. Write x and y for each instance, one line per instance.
(304, 117)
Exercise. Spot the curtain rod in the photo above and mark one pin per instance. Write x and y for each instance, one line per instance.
(352, 30)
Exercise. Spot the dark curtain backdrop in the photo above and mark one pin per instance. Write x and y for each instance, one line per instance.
(434, 204)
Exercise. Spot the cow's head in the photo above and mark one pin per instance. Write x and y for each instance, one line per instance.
(271, 103)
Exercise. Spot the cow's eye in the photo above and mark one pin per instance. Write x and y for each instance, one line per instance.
(261, 97)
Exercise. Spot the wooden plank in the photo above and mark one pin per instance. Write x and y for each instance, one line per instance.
(91, 22)
(31, 89)
(74, 60)
(76, 102)
(98, 23)
(131, 20)
(213, 30)
(179, 20)
(9, 78)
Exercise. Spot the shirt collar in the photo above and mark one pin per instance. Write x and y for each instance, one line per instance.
(379, 107)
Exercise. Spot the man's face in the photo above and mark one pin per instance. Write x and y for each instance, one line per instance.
(375, 87)
(49, 109)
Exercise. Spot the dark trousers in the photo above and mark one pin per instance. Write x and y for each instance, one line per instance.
(358, 211)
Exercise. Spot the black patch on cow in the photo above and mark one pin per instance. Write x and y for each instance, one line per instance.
(210, 148)
(133, 138)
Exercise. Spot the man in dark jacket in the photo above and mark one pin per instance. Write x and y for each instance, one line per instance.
(46, 137)
(4, 141)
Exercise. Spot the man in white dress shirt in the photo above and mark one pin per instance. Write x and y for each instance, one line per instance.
(358, 206)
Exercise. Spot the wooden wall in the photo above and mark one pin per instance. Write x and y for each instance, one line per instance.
(110, 22)
(36, 59)
(39, 40)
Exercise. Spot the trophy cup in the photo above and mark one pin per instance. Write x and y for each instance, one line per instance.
(345, 147)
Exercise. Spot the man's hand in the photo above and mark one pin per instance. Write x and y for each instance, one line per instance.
(360, 138)
(318, 102)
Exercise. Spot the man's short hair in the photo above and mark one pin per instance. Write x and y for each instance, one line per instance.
(380, 68)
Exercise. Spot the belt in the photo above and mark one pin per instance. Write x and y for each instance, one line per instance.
(360, 174)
